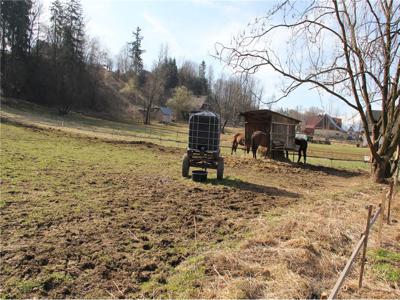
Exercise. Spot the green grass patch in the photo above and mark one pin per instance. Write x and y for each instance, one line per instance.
(386, 263)
(185, 281)
(45, 282)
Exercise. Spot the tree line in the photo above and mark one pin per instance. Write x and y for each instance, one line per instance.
(54, 62)
(46, 64)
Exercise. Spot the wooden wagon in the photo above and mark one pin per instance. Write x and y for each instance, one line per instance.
(282, 129)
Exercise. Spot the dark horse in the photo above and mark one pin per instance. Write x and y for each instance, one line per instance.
(259, 138)
(302, 143)
(238, 139)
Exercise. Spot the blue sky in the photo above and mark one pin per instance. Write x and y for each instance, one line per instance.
(190, 29)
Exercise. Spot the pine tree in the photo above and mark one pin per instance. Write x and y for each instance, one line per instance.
(74, 30)
(56, 23)
(202, 70)
(202, 78)
(15, 25)
(15, 45)
(171, 74)
(136, 51)
(56, 30)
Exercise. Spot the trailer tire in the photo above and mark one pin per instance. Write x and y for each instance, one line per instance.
(220, 168)
(185, 166)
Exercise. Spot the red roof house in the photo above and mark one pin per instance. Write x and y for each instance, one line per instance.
(323, 122)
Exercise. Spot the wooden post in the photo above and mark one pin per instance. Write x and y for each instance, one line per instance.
(391, 194)
(354, 253)
(366, 233)
(382, 217)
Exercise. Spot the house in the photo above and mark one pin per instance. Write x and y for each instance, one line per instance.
(281, 128)
(165, 115)
(325, 126)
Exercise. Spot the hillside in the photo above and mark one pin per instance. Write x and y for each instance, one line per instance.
(119, 106)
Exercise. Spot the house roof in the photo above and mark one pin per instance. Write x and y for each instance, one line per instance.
(166, 110)
(313, 121)
(265, 112)
(198, 102)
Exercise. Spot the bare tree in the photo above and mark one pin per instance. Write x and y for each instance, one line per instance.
(345, 49)
(152, 91)
(234, 95)
(123, 61)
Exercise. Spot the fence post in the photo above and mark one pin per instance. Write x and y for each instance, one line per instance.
(369, 207)
(391, 196)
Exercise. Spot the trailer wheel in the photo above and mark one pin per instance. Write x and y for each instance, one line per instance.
(185, 166)
(220, 168)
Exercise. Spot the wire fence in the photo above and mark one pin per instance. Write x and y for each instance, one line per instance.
(179, 138)
(334, 156)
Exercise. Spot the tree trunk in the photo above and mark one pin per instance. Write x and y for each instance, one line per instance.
(381, 170)
(147, 116)
(223, 127)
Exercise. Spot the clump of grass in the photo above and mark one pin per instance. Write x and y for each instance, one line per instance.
(26, 286)
(187, 278)
(386, 264)
(42, 283)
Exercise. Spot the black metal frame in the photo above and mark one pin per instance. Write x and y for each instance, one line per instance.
(207, 158)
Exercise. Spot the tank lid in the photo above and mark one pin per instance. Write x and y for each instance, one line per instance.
(206, 114)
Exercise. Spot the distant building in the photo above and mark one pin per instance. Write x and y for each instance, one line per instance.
(165, 115)
(325, 126)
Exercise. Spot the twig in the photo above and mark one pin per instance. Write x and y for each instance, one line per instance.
(195, 230)
(119, 290)
(133, 235)
(111, 294)
(216, 271)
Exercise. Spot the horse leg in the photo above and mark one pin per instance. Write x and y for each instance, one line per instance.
(305, 155)
(267, 152)
(287, 154)
(254, 150)
(233, 147)
(299, 155)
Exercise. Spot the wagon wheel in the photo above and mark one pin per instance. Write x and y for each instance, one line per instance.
(185, 166)
(220, 168)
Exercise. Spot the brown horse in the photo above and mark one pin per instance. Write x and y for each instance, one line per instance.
(238, 139)
(259, 138)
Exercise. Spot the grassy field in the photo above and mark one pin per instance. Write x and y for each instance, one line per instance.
(89, 211)
(166, 135)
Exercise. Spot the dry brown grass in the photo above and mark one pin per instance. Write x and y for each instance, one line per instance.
(299, 252)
